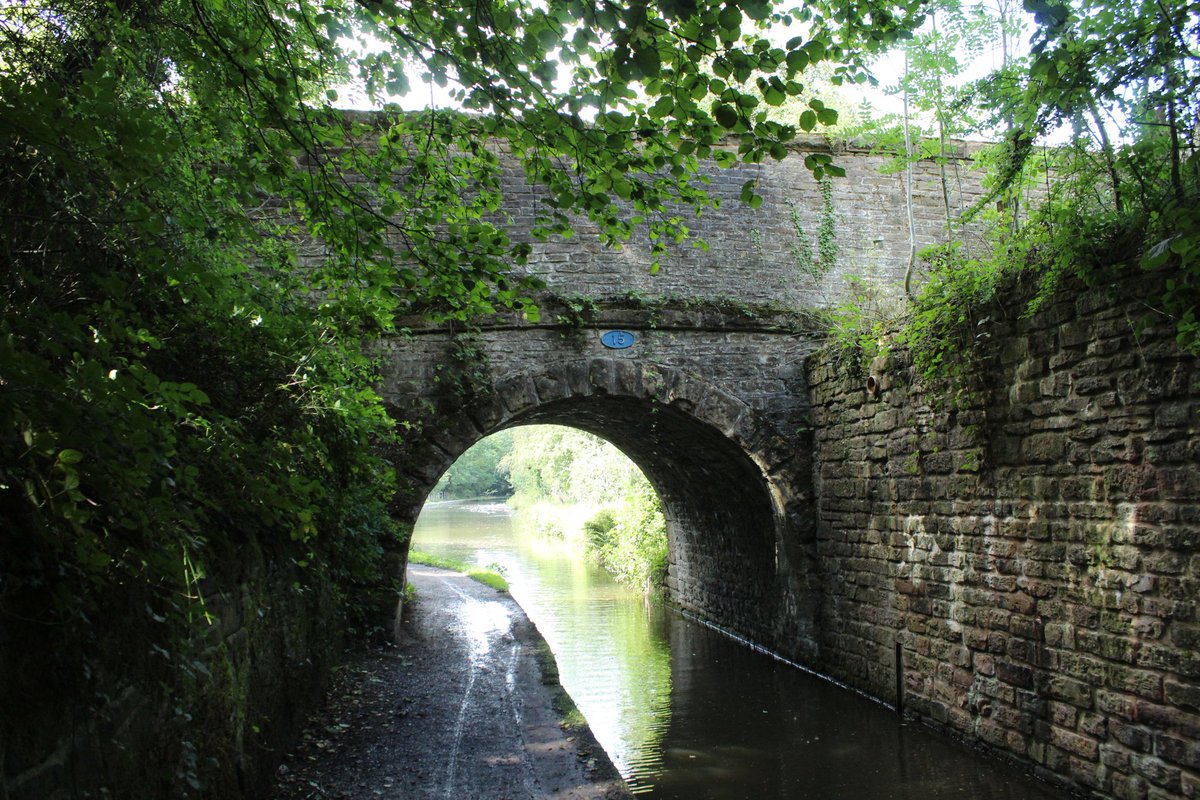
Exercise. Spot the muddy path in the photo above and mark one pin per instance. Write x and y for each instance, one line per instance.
(465, 707)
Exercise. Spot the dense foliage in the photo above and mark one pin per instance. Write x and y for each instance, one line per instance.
(579, 487)
(1096, 175)
(630, 540)
(197, 245)
(477, 472)
(1125, 79)
(162, 399)
(176, 370)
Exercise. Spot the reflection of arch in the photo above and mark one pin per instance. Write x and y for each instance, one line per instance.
(735, 522)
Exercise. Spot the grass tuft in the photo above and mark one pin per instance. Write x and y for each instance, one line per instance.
(485, 576)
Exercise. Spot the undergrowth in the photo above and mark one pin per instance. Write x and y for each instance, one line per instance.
(1074, 237)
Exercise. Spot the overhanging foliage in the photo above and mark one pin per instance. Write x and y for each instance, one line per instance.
(180, 380)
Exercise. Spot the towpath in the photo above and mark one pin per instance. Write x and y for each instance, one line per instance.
(463, 708)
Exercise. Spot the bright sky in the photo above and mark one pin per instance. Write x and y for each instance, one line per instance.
(887, 70)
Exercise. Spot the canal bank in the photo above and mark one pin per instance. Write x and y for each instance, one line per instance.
(465, 705)
(687, 713)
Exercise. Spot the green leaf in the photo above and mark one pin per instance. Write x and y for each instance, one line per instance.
(663, 107)
(808, 120)
(648, 60)
(797, 61)
(724, 158)
(731, 18)
(757, 10)
(726, 115)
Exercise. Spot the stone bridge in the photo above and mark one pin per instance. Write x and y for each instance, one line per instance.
(710, 401)
(711, 405)
(1022, 571)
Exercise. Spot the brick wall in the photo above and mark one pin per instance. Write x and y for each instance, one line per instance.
(750, 252)
(1036, 555)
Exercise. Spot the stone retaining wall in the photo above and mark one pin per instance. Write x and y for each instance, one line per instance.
(114, 714)
(1036, 555)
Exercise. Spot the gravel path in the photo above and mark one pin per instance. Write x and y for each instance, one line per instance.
(460, 709)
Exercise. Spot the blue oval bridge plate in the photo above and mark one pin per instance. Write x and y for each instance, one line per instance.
(617, 340)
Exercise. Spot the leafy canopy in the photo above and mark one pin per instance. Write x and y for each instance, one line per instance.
(1096, 179)
(1124, 78)
(198, 245)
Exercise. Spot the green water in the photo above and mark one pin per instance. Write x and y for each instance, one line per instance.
(687, 713)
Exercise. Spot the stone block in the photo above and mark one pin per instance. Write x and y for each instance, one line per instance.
(518, 393)
(1135, 737)
(1025, 392)
(1046, 448)
(1167, 719)
(1175, 750)
(1094, 725)
(1190, 785)
(1184, 695)
(1156, 772)
(1067, 690)
(1092, 385)
(722, 410)
(1129, 787)
(1076, 744)
(1014, 674)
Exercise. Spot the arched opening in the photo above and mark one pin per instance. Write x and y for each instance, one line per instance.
(587, 598)
(567, 485)
(734, 492)
(720, 521)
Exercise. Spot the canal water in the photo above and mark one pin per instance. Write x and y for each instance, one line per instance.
(685, 712)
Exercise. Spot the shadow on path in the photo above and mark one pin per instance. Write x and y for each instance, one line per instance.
(459, 710)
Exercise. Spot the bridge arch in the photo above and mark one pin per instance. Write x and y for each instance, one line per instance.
(739, 519)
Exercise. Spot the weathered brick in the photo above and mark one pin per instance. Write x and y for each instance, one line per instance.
(1190, 785)
(1062, 715)
(1156, 772)
(1129, 787)
(1043, 449)
(1168, 719)
(1069, 691)
(1083, 746)
(1135, 737)
(1015, 674)
(1184, 752)
(1142, 683)
(1184, 695)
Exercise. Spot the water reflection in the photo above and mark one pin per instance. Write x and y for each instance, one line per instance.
(612, 650)
(684, 712)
